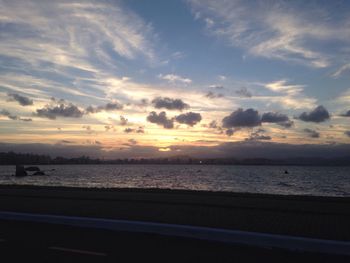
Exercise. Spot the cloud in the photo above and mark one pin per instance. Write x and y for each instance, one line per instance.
(213, 124)
(59, 108)
(278, 118)
(346, 114)
(242, 118)
(22, 100)
(347, 133)
(274, 117)
(189, 118)
(312, 133)
(212, 95)
(160, 119)
(244, 92)
(319, 114)
(172, 78)
(7, 114)
(230, 132)
(123, 121)
(242, 150)
(108, 107)
(170, 104)
(341, 70)
(257, 136)
(286, 124)
(131, 130)
(281, 30)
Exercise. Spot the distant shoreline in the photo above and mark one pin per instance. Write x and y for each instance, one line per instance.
(11, 158)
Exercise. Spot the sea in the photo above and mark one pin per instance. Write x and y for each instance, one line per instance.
(286, 180)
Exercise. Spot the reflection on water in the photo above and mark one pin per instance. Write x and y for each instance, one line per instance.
(330, 181)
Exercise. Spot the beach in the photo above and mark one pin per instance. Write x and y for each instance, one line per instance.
(303, 216)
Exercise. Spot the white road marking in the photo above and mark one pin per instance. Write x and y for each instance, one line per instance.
(195, 232)
(79, 251)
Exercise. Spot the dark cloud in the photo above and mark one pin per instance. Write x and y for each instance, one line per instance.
(109, 127)
(346, 114)
(244, 92)
(230, 132)
(242, 118)
(347, 133)
(244, 149)
(189, 118)
(286, 124)
(108, 107)
(170, 104)
(258, 135)
(274, 117)
(278, 118)
(24, 101)
(160, 119)
(312, 133)
(7, 114)
(319, 114)
(213, 124)
(123, 121)
(59, 108)
(212, 95)
(131, 130)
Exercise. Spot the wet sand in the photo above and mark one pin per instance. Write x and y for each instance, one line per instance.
(306, 216)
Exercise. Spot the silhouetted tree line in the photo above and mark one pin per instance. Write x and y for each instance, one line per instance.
(11, 158)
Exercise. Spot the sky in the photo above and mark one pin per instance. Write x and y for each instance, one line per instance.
(146, 79)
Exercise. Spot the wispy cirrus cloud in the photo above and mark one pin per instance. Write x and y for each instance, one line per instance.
(279, 30)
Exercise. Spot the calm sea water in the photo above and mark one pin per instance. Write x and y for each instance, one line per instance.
(325, 181)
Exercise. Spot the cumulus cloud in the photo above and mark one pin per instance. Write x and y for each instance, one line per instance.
(112, 106)
(312, 133)
(7, 114)
(189, 118)
(160, 119)
(59, 108)
(274, 117)
(278, 118)
(319, 114)
(172, 78)
(22, 100)
(242, 118)
(170, 104)
(212, 95)
(244, 92)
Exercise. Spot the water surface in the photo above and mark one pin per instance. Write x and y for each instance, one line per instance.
(300, 180)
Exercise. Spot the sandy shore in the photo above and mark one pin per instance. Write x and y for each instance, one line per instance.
(308, 216)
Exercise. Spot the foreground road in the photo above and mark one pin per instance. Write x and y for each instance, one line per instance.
(49, 241)
(33, 242)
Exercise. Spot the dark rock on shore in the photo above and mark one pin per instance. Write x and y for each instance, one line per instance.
(32, 169)
(20, 171)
